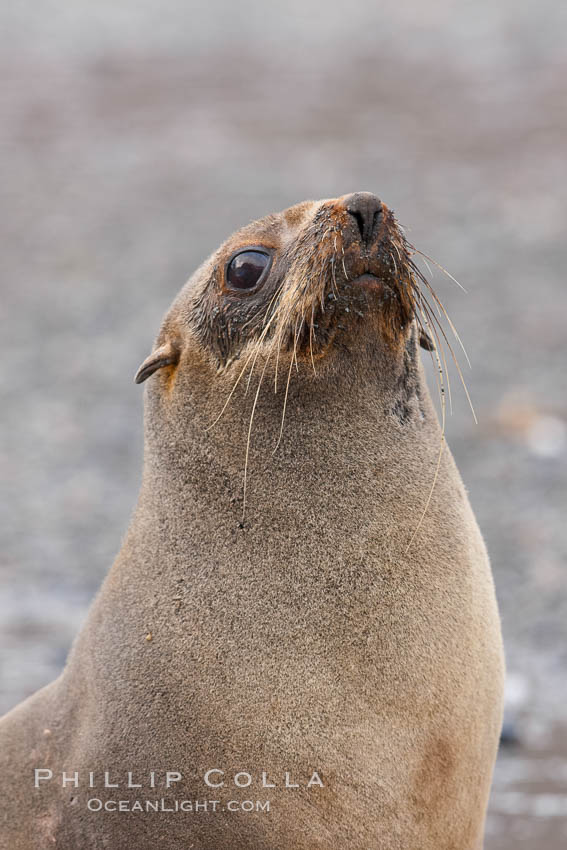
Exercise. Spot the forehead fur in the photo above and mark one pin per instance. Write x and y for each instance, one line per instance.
(272, 231)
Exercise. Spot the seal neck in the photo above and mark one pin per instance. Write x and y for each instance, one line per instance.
(290, 450)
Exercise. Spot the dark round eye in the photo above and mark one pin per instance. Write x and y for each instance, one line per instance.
(245, 270)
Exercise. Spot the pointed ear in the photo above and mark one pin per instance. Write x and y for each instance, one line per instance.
(166, 355)
(425, 340)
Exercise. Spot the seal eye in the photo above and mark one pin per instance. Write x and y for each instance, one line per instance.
(246, 269)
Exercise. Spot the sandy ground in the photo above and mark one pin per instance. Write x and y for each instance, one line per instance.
(135, 136)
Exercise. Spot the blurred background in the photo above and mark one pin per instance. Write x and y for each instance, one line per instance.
(137, 135)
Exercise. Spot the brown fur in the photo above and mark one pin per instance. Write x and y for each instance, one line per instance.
(306, 636)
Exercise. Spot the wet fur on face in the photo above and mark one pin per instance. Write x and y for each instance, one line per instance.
(312, 297)
(341, 280)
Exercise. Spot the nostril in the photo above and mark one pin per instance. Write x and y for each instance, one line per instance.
(359, 218)
(366, 210)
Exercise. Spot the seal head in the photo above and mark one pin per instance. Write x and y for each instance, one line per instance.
(308, 282)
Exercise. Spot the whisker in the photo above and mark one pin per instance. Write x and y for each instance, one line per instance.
(436, 342)
(427, 266)
(284, 406)
(438, 464)
(334, 277)
(295, 344)
(439, 266)
(433, 325)
(276, 371)
(445, 313)
(311, 336)
(395, 264)
(458, 368)
(245, 488)
(254, 349)
(436, 323)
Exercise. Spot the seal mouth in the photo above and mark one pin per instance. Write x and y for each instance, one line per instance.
(368, 281)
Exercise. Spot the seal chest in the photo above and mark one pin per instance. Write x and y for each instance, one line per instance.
(303, 590)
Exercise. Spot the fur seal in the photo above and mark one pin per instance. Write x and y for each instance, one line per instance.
(328, 642)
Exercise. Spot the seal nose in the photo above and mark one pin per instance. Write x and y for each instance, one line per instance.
(366, 210)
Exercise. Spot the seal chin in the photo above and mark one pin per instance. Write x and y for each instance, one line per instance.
(371, 283)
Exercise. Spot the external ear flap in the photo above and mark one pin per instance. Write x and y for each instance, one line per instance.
(425, 340)
(165, 355)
